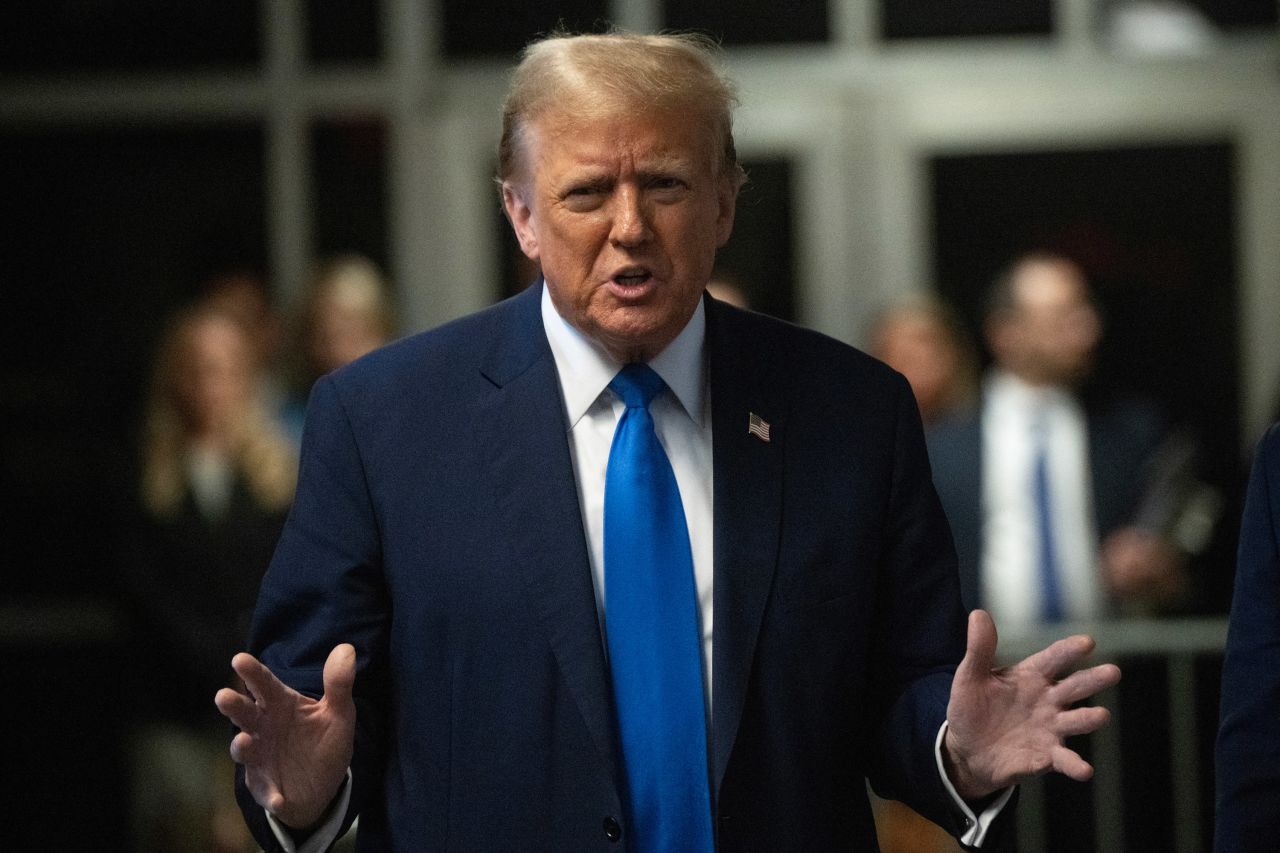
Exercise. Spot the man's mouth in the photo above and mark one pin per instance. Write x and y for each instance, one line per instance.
(632, 276)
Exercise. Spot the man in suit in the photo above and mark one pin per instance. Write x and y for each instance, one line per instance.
(445, 643)
(1044, 486)
(1248, 750)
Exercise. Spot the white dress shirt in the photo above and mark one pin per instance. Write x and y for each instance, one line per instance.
(1010, 569)
(682, 420)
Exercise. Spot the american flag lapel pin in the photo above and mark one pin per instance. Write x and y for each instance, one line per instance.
(758, 426)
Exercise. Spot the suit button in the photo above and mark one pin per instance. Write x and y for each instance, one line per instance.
(612, 829)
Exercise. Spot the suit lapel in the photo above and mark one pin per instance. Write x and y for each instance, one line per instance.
(539, 522)
(748, 501)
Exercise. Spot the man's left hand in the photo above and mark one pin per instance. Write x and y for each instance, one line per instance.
(1007, 724)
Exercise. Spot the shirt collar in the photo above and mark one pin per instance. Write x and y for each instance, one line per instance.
(1013, 391)
(586, 369)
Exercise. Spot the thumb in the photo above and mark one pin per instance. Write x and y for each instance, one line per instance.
(980, 654)
(340, 674)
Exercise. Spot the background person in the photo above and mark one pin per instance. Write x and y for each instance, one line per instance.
(1043, 484)
(1248, 748)
(346, 313)
(923, 339)
(216, 480)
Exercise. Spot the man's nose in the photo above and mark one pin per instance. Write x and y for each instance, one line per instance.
(630, 220)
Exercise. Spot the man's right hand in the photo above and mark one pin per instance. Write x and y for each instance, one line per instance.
(295, 749)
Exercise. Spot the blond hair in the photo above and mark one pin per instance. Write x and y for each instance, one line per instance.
(601, 75)
(352, 281)
(261, 455)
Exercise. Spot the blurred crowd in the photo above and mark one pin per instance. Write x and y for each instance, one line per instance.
(217, 466)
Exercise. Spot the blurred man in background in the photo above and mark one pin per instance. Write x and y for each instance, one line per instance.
(1044, 485)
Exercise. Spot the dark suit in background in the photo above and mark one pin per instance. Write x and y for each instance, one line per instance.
(1122, 436)
(1248, 749)
(437, 528)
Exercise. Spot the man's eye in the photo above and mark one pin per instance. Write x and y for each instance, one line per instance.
(666, 183)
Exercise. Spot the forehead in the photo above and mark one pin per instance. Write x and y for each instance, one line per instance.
(1049, 284)
(569, 138)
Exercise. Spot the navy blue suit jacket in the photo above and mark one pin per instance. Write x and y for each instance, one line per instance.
(1123, 436)
(437, 528)
(1248, 749)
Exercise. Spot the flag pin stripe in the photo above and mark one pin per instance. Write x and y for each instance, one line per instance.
(758, 426)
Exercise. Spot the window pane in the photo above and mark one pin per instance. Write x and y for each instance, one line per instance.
(901, 19)
(760, 258)
(755, 22)
(128, 35)
(351, 187)
(1233, 14)
(343, 32)
(503, 27)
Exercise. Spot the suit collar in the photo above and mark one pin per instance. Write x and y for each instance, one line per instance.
(536, 516)
(748, 505)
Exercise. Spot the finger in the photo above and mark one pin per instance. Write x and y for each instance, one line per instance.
(1070, 764)
(980, 650)
(267, 690)
(1085, 683)
(1061, 656)
(1081, 721)
(237, 708)
(244, 749)
(340, 675)
(264, 790)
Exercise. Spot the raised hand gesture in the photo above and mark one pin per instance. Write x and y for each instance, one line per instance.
(1007, 725)
(295, 749)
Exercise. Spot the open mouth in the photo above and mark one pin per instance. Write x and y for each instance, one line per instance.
(632, 277)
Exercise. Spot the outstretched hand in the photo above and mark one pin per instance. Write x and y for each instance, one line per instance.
(1006, 725)
(295, 749)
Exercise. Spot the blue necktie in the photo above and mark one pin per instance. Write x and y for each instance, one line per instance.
(1050, 593)
(651, 620)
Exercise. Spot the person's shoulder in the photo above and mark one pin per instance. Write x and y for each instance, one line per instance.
(1270, 442)
(1267, 453)
(791, 348)
(443, 351)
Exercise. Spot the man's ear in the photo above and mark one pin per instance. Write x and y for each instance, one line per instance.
(520, 214)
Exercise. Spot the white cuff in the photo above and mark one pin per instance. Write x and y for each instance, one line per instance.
(976, 825)
(325, 834)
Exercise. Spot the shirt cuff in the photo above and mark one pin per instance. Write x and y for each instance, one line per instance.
(975, 825)
(325, 834)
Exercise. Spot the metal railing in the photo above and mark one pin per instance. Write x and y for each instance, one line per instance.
(1180, 643)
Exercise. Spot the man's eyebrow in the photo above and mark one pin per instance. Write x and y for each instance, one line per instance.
(665, 165)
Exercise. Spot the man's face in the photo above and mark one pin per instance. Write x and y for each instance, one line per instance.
(625, 214)
(1054, 330)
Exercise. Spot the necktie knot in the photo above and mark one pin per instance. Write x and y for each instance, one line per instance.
(637, 384)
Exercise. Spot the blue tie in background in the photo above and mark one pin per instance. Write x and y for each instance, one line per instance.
(651, 620)
(1050, 593)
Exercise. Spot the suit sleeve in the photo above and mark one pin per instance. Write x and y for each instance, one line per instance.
(325, 587)
(1248, 748)
(919, 632)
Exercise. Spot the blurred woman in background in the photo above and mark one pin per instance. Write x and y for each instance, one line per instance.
(346, 313)
(217, 477)
(924, 340)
